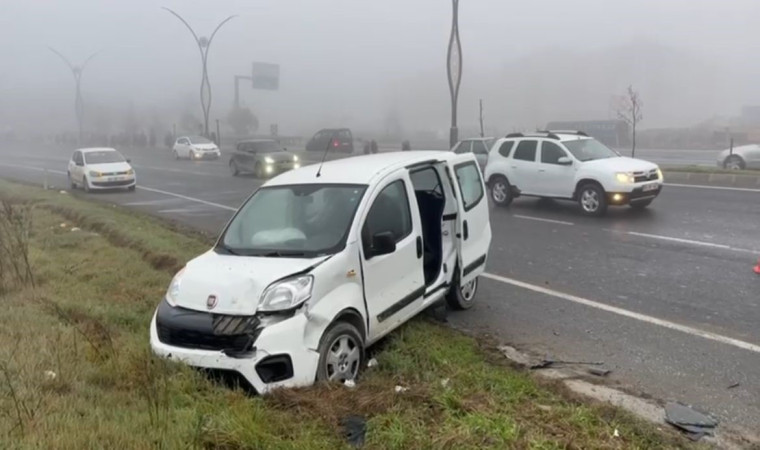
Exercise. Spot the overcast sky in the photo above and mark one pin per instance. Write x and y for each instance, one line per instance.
(351, 61)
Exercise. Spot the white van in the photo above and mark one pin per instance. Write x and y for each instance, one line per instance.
(318, 264)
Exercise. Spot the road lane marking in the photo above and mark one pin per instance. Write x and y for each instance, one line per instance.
(719, 188)
(540, 219)
(686, 241)
(682, 241)
(184, 197)
(626, 313)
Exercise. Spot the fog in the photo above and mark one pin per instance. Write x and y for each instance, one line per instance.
(372, 64)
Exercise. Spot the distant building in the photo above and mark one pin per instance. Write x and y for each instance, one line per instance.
(614, 133)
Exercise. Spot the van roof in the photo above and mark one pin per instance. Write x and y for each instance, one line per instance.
(363, 169)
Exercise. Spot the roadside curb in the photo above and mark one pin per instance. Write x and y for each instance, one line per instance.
(650, 410)
(713, 179)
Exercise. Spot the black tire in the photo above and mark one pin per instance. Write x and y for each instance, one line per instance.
(85, 185)
(592, 199)
(176, 155)
(345, 365)
(734, 162)
(132, 188)
(72, 185)
(234, 168)
(641, 205)
(461, 297)
(501, 191)
(258, 171)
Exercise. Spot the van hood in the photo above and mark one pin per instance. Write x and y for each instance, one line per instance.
(110, 167)
(621, 164)
(236, 281)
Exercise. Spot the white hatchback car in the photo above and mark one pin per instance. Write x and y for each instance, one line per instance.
(100, 168)
(318, 264)
(571, 166)
(195, 147)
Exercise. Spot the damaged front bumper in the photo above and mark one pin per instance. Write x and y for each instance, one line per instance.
(269, 352)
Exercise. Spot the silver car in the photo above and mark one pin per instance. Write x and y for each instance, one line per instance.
(743, 157)
(262, 157)
(477, 146)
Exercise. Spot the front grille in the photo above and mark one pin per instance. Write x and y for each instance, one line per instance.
(111, 174)
(112, 183)
(202, 341)
(640, 177)
(221, 332)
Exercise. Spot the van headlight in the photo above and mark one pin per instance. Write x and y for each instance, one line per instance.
(625, 177)
(286, 294)
(173, 292)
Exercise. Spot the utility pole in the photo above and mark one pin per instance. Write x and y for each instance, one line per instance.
(482, 132)
(454, 67)
(203, 46)
(78, 101)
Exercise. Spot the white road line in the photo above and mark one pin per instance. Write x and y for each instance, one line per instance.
(539, 219)
(192, 199)
(719, 188)
(682, 241)
(626, 313)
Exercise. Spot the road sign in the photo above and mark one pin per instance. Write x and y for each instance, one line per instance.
(266, 76)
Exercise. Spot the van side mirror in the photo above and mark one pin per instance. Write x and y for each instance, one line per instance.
(565, 161)
(383, 243)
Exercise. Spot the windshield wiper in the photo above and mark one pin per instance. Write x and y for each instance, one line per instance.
(279, 254)
(227, 250)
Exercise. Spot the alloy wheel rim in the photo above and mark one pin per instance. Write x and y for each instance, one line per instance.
(499, 192)
(468, 290)
(343, 358)
(590, 200)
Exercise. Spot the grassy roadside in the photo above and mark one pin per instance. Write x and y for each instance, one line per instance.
(76, 371)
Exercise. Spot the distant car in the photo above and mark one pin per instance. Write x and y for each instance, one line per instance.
(477, 146)
(195, 147)
(571, 166)
(100, 168)
(743, 157)
(262, 157)
(336, 139)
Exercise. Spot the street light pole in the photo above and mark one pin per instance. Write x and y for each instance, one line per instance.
(203, 46)
(78, 100)
(454, 67)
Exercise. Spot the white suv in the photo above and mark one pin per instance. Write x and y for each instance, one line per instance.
(569, 165)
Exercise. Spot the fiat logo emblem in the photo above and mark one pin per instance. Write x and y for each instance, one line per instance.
(211, 302)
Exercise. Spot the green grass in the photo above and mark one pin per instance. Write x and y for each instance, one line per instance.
(87, 321)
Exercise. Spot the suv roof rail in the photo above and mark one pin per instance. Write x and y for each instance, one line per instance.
(546, 134)
(576, 132)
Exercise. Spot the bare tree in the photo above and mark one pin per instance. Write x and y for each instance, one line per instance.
(629, 111)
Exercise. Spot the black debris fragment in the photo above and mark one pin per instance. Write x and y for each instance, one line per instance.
(735, 385)
(694, 424)
(550, 362)
(599, 372)
(354, 430)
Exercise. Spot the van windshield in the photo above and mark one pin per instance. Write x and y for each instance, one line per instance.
(306, 220)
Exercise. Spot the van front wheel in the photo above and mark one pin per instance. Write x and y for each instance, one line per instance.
(341, 353)
(462, 296)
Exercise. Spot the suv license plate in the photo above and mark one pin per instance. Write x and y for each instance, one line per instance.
(650, 187)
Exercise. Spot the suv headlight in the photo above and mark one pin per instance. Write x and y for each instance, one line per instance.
(173, 292)
(286, 294)
(625, 177)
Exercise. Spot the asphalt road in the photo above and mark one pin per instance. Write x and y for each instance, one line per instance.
(665, 297)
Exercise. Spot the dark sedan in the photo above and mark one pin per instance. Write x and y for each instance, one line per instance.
(263, 158)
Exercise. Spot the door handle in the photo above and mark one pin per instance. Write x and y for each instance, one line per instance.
(466, 230)
(419, 247)
(541, 170)
(514, 167)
